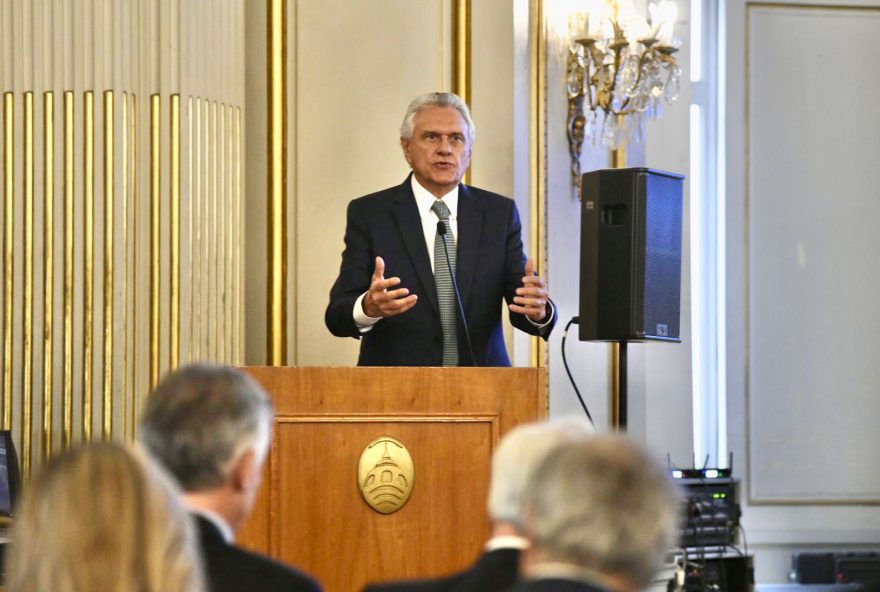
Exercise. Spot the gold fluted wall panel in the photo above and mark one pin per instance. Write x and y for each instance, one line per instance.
(122, 230)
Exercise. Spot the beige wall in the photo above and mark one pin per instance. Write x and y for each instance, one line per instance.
(658, 374)
(348, 87)
(352, 69)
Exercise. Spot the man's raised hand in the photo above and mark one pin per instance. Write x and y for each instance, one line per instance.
(381, 300)
(531, 299)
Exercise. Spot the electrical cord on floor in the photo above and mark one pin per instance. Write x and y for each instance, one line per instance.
(567, 371)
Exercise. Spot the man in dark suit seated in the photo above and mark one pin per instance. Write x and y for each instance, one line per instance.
(395, 292)
(211, 426)
(497, 568)
(599, 516)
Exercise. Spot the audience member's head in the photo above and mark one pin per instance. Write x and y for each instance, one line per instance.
(602, 507)
(210, 426)
(519, 452)
(100, 517)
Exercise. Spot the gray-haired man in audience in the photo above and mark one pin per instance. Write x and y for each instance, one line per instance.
(518, 453)
(599, 516)
(211, 426)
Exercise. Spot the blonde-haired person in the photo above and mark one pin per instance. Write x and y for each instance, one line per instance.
(102, 518)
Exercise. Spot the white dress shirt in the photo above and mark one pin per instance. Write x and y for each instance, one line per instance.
(507, 541)
(424, 200)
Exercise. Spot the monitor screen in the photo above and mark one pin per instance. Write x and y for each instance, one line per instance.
(9, 477)
(5, 495)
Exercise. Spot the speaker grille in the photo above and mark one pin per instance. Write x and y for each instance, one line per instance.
(630, 255)
(662, 253)
(637, 296)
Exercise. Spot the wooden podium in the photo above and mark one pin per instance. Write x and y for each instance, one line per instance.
(310, 511)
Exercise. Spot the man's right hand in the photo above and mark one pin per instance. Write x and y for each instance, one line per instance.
(381, 301)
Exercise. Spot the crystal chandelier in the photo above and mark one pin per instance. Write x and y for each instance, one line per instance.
(620, 69)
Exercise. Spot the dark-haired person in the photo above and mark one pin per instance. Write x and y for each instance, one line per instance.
(211, 427)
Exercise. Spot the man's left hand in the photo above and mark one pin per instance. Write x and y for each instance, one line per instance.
(531, 299)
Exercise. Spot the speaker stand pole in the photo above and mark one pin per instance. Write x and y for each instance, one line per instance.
(618, 350)
(619, 386)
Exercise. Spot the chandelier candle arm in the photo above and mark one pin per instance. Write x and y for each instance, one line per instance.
(620, 65)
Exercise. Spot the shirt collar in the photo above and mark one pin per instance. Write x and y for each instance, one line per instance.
(216, 520)
(506, 542)
(425, 199)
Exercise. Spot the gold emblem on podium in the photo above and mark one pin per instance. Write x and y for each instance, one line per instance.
(386, 474)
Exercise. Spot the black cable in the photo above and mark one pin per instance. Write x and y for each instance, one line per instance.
(722, 568)
(701, 559)
(570, 377)
(742, 531)
(735, 549)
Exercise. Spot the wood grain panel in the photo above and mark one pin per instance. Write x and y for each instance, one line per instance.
(310, 511)
(442, 526)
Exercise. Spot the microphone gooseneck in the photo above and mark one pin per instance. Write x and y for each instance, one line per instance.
(441, 230)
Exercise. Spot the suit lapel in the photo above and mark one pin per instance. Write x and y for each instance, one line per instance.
(470, 226)
(409, 224)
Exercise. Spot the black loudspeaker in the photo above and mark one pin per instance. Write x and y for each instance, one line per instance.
(630, 255)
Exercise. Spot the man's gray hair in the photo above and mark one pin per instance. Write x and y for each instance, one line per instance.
(201, 418)
(519, 452)
(603, 505)
(437, 99)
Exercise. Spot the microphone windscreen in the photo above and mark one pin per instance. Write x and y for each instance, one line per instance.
(441, 228)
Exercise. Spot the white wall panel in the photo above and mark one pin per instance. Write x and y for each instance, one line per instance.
(812, 211)
(802, 336)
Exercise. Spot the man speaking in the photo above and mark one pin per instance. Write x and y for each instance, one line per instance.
(427, 264)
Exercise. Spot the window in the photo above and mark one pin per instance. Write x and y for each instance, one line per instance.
(707, 199)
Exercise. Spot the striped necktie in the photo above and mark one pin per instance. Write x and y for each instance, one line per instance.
(445, 290)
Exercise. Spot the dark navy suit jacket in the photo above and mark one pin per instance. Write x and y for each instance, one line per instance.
(495, 571)
(232, 569)
(555, 585)
(489, 268)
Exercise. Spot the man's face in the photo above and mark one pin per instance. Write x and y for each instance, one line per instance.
(439, 151)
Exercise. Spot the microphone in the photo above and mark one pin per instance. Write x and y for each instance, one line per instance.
(441, 230)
